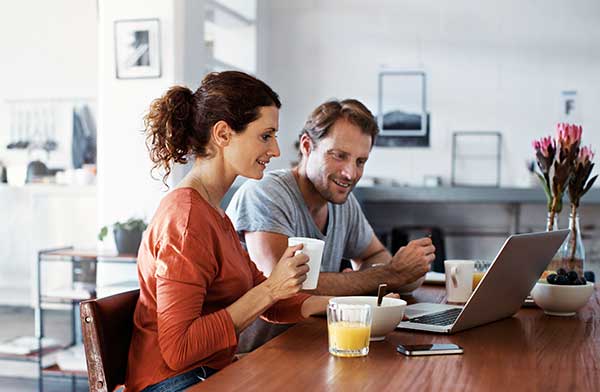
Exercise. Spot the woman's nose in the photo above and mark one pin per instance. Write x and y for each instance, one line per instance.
(275, 151)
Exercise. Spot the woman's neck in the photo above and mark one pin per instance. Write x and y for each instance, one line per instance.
(209, 178)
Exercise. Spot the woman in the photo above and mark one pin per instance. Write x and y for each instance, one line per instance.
(198, 288)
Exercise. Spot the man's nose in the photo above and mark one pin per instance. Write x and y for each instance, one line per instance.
(349, 171)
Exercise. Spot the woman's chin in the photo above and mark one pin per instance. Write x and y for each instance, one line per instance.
(255, 174)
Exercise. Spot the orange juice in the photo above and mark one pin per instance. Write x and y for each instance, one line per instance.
(348, 339)
(477, 276)
(545, 274)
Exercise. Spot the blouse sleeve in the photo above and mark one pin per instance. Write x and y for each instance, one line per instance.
(285, 311)
(185, 336)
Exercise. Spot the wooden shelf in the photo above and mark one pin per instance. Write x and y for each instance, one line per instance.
(31, 357)
(56, 371)
(67, 254)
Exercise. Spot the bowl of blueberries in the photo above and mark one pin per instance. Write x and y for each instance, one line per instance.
(562, 293)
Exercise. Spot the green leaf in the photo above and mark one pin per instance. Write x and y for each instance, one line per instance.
(546, 189)
(559, 204)
(589, 185)
(103, 233)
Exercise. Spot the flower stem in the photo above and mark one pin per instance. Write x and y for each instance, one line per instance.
(550, 223)
(573, 239)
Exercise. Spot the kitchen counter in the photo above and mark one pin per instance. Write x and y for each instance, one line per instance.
(479, 195)
(39, 216)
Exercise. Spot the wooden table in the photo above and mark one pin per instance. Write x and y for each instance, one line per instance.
(528, 352)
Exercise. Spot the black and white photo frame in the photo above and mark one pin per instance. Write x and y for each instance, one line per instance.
(137, 48)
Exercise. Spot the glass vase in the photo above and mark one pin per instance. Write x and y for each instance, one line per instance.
(572, 251)
(552, 225)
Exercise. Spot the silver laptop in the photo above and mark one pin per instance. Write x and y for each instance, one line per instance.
(508, 281)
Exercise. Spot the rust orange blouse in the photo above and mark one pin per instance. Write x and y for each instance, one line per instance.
(191, 266)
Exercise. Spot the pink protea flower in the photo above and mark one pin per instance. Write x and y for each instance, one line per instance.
(545, 149)
(582, 169)
(568, 134)
(585, 155)
(547, 146)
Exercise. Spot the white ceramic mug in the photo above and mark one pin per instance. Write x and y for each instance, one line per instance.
(313, 248)
(459, 280)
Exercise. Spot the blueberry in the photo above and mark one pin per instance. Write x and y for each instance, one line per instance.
(572, 276)
(562, 280)
(561, 271)
(582, 280)
(551, 278)
(589, 275)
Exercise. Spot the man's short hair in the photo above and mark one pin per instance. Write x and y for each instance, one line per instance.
(321, 120)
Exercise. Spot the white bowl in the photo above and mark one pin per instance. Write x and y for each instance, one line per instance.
(409, 288)
(385, 317)
(561, 300)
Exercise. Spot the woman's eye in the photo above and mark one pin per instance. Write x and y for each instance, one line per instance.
(268, 136)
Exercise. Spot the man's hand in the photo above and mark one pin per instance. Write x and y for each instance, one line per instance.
(412, 261)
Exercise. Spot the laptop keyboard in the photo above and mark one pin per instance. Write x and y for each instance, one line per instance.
(445, 317)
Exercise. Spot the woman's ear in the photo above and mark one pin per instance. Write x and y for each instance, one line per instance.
(222, 133)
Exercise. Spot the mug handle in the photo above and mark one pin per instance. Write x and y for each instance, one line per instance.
(453, 271)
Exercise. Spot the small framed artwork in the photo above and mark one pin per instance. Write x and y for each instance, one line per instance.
(137, 48)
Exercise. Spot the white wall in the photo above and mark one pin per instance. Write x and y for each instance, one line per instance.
(497, 65)
(125, 188)
(48, 51)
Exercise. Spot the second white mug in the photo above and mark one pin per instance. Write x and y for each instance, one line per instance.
(459, 280)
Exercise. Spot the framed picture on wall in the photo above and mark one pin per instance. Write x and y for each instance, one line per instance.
(137, 48)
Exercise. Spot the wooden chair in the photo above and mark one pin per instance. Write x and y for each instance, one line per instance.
(107, 324)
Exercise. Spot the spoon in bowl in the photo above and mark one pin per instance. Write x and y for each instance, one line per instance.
(381, 293)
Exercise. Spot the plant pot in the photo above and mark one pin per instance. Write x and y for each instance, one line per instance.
(127, 241)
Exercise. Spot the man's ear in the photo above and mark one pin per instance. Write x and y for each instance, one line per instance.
(222, 133)
(306, 145)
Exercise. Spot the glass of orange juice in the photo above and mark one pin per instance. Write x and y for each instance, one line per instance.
(481, 267)
(349, 327)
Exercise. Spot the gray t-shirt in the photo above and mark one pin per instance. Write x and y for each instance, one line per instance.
(275, 204)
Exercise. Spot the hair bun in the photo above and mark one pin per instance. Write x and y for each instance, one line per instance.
(169, 126)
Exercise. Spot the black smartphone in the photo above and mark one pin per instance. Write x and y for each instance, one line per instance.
(429, 349)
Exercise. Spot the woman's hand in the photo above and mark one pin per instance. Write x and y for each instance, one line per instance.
(289, 273)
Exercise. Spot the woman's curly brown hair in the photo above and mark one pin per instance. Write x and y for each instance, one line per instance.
(178, 124)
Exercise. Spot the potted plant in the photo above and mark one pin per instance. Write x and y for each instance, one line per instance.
(128, 235)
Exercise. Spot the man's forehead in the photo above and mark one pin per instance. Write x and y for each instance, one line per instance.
(346, 136)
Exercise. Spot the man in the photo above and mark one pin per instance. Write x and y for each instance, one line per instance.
(314, 200)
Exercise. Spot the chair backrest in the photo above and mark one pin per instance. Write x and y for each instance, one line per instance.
(107, 324)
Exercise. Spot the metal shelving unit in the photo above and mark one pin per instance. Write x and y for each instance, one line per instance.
(64, 255)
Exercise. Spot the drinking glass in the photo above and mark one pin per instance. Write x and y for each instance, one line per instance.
(349, 327)
(481, 267)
